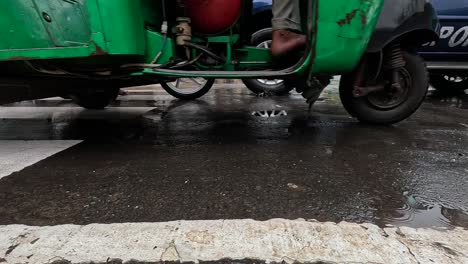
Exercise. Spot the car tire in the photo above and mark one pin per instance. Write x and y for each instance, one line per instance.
(262, 38)
(367, 110)
(95, 100)
(447, 83)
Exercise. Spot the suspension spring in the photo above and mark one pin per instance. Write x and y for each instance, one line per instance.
(394, 57)
(394, 61)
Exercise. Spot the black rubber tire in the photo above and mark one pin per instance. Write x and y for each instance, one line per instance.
(258, 87)
(96, 100)
(439, 82)
(255, 85)
(206, 88)
(365, 112)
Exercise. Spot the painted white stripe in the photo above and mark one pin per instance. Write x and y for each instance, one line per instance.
(274, 240)
(145, 91)
(70, 113)
(156, 98)
(16, 155)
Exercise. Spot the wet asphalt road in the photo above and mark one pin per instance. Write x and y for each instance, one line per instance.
(232, 155)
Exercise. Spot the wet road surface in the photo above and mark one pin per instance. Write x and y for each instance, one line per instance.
(232, 155)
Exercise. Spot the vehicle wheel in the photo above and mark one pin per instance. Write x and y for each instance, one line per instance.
(96, 100)
(389, 106)
(262, 39)
(188, 88)
(443, 82)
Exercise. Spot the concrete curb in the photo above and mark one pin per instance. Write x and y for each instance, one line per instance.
(225, 240)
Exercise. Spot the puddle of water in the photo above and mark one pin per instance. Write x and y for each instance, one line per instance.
(454, 99)
(417, 215)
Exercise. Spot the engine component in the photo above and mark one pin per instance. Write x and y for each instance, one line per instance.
(206, 51)
(183, 31)
(213, 16)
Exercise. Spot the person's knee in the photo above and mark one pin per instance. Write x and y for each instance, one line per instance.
(286, 15)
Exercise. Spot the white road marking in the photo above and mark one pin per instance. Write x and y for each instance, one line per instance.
(193, 241)
(16, 155)
(68, 113)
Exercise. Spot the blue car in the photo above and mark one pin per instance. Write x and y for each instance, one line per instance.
(262, 14)
(447, 59)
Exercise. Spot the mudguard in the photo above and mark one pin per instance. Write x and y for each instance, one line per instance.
(414, 21)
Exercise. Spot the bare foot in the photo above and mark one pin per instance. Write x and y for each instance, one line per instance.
(285, 42)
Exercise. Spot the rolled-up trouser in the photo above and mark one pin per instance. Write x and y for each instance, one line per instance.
(286, 15)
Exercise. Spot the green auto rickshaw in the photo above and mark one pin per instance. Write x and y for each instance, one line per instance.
(89, 49)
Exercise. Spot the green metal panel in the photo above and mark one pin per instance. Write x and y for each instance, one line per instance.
(343, 36)
(254, 57)
(21, 26)
(31, 24)
(123, 26)
(68, 24)
(81, 28)
(76, 28)
(155, 44)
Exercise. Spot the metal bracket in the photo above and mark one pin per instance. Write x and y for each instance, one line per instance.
(364, 91)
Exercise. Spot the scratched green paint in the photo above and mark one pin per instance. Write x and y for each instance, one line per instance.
(75, 29)
(339, 48)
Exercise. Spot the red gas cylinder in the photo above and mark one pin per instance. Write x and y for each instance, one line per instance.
(213, 16)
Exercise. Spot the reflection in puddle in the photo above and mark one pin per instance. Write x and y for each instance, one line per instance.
(457, 99)
(418, 215)
(270, 113)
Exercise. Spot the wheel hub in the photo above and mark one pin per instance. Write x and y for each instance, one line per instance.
(392, 96)
(267, 45)
(187, 85)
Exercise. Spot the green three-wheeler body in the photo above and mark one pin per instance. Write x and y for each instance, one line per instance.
(62, 29)
(113, 42)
